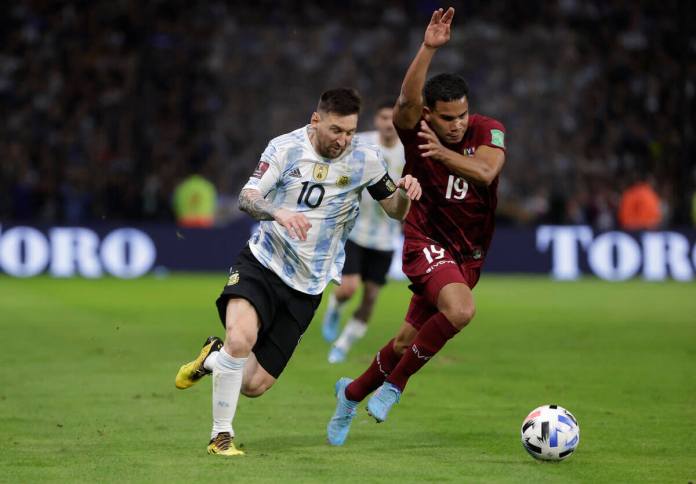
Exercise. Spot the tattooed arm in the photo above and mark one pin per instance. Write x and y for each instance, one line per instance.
(251, 202)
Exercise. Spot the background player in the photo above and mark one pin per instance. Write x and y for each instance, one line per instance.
(370, 246)
(458, 157)
(306, 191)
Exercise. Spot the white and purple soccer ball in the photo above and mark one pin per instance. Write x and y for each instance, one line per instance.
(550, 432)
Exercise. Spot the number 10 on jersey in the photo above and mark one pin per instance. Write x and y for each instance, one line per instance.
(311, 195)
(456, 188)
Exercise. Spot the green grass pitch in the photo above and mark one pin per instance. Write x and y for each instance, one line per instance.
(88, 393)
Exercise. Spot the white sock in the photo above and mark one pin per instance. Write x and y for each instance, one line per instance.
(334, 304)
(353, 331)
(209, 363)
(227, 383)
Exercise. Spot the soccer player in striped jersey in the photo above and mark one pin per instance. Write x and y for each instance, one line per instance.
(370, 246)
(457, 156)
(305, 191)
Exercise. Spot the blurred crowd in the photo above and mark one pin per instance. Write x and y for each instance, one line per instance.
(108, 106)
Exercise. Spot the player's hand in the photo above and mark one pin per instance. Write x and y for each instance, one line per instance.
(410, 186)
(438, 31)
(295, 223)
(432, 147)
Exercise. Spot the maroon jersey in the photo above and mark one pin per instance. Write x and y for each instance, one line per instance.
(457, 214)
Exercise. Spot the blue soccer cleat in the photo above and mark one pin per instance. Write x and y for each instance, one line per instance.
(336, 355)
(329, 327)
(382, 401)
(339, 425)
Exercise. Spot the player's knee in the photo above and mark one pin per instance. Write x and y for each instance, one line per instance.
(401, 343)
(346, 290)
(399, 347)
(460, 315)
(253, 391)
(237, 343)
(256, 387)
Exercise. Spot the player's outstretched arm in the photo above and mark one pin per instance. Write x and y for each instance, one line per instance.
(409, 105)
(252, 202)
(398, 204)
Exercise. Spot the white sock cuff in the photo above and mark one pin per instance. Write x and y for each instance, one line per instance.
(225, 362)
(210, 360)
(334, 303)
(356, 327)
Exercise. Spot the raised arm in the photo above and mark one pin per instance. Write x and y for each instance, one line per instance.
(409, 105)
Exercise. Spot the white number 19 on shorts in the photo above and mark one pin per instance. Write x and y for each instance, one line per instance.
(433, 253)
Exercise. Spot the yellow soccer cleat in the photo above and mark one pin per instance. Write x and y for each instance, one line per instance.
(222, 445)
(193, 371)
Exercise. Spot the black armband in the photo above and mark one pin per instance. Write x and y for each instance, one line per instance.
(383, 188)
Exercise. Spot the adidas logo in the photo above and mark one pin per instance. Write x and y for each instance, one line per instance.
(296, 173)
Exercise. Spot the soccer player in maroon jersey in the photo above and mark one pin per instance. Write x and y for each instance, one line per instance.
(457, 157)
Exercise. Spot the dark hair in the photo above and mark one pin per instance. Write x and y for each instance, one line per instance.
(444, 87)
(342, 101)
(385, 103)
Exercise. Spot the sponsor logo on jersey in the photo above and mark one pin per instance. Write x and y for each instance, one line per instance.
(497, 138)
(343, 181)
(469, 151)
(320, 172)
(234, 279)
(296, 173)
(260, 169)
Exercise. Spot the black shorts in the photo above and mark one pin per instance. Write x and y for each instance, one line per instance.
(284, 312)
(372, 265)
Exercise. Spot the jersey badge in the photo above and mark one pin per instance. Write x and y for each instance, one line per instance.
(260, 169)
(497, 138)
(320, 172)
(234, 279)
(343, 181)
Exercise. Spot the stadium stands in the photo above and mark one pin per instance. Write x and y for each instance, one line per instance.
(107, 105)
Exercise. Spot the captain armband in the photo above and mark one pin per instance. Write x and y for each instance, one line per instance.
(383, 188)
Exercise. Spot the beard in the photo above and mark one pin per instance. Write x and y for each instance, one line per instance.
(332, 151)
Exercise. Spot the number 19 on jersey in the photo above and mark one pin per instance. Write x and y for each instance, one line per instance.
(456, 188)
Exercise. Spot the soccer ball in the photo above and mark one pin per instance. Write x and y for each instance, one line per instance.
(550, 432)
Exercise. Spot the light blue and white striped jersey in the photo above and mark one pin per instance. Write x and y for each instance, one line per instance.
(293, 176)
(374, 229)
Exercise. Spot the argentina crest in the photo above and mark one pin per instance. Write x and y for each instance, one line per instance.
(233, 279)
(320, 172)
(343, 181)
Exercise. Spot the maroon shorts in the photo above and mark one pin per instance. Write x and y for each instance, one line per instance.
(430, 267)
